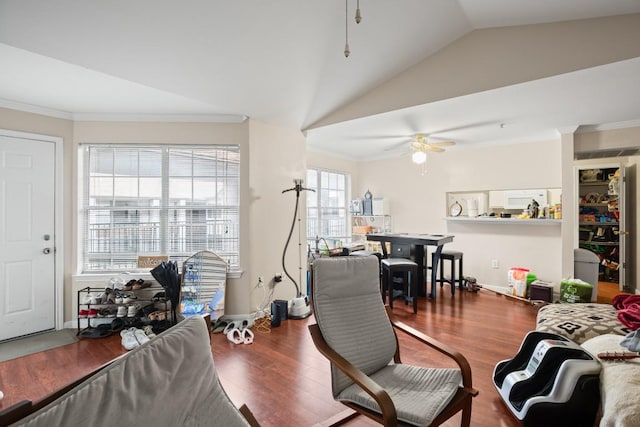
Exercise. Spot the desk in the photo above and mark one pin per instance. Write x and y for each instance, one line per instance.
(420, 241)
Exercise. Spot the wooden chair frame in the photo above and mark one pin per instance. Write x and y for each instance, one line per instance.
(460, 402)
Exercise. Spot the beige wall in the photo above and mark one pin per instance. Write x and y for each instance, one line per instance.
(497, 57)
(272, 156)
(418, 203)
(329, 162)
(277, 156)
(607, 139)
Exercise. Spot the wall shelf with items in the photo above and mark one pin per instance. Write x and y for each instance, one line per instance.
(496, 220)
(361, 225)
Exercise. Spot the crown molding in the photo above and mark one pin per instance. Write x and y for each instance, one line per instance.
(35, 109)
(120, 117)
(609, 126)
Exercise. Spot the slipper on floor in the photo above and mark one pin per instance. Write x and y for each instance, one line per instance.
(219, 326)
(95, 333)
(129, 341)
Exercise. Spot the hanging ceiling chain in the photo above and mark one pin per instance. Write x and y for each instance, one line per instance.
(347, 51)
(346, 29)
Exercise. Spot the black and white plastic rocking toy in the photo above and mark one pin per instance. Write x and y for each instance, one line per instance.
(551, 381)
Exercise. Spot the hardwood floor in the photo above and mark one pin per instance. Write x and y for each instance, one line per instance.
(286, 382)
(606, 291)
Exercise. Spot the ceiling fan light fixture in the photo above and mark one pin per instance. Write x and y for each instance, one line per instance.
(419, 157)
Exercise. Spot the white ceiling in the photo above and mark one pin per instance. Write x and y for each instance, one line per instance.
(282, 62)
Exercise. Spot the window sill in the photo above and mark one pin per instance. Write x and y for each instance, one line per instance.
(93, 277)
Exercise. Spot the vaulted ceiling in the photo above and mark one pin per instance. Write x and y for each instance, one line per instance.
(411, 67)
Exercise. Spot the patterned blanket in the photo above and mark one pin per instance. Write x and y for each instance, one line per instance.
(580, 321)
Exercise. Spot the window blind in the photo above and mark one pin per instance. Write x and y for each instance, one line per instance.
(327, 214)
(158, 200)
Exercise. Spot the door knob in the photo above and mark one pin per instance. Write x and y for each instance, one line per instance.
(46, 251)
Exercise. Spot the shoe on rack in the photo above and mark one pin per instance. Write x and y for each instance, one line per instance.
(95, 299)
(129, 341)
(107, 296)
(160, 297)
(122, 311)
(141, 284)
(83, 313)
(87, 299)
(93, 313)
(129, 298)
(132, 310)
(119, 298)
(129, 285)
(157, 315)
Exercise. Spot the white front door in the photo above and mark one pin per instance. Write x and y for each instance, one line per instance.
(27, 240)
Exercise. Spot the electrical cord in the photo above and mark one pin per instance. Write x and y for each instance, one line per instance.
(298, 188)
(286, 245)
(263, 325)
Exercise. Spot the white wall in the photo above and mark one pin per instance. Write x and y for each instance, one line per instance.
(418, 204)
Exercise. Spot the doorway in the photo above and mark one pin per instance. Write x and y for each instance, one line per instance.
(30, 231)
(601, 220)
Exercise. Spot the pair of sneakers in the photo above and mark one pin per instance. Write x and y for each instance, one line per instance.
(238, 332)
(134, 337)
(91, 298)
(130, 311)
(91, 313)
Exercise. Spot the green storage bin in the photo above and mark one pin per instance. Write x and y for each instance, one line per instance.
(575, 290)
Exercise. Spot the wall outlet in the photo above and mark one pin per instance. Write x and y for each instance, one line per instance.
(495, 263)
(277, 277)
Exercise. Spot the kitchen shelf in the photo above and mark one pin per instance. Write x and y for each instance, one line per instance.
(600, 223)
(493, 220)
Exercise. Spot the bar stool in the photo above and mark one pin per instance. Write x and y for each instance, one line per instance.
(407, 268)
(451, 256)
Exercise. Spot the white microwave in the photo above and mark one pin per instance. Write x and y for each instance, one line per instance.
(521, 199)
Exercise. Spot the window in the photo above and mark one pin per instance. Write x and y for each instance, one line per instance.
(158, 200)
(327, 213)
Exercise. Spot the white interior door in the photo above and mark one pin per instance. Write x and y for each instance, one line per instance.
(27, 240)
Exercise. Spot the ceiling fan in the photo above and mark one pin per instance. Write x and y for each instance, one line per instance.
(420, 146)
(420, 143)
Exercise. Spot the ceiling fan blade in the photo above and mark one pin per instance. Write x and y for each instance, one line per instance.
(429, 147)
(442, 143)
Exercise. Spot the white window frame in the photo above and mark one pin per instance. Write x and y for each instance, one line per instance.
(227, 247)
(315, 227)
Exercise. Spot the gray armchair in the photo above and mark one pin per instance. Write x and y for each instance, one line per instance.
(169, 381)
(356, 332)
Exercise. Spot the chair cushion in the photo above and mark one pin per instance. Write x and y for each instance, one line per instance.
(393, 262)
(169, 381)
(419, 394)
(351, 315)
